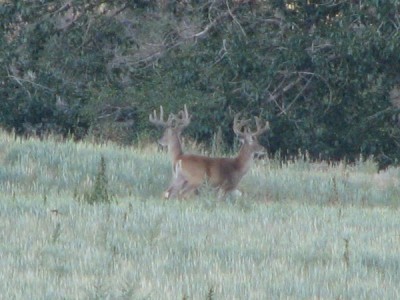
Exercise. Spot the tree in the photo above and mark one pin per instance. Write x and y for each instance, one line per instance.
(321, 71)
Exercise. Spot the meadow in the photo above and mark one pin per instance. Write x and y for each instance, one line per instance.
(300, 229)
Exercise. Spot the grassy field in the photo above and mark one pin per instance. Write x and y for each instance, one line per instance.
(301, 230)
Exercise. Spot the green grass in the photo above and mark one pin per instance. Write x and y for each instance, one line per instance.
(285, 238)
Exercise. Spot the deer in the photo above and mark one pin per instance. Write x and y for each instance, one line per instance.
(171, 137)
(222, 173)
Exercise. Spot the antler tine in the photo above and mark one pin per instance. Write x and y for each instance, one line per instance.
(183, 118)
(161, 113)
(239, 124)
(186, 113)
(260, 129)
(159, 121)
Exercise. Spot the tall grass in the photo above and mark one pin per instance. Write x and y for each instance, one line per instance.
(301, 230)
(33, 166)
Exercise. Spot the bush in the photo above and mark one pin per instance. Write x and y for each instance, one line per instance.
(100, 193)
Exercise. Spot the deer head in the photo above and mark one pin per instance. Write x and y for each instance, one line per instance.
(173, 127)
(247, 137)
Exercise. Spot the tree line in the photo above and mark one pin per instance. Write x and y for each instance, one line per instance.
(324, 73)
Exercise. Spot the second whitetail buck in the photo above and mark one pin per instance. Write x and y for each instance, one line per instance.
(190, 171)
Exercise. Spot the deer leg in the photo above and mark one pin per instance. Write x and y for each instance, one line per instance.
(222, 194)
(225, 188)
(189, 189)
(174, 190)
(183, 190)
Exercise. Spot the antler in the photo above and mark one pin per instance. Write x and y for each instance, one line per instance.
(238, 127)
(260, 129)
(181, 120)
(160, 121)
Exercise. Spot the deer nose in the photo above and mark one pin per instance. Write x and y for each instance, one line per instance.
(260, 150)
(162, 141)
(161, 145)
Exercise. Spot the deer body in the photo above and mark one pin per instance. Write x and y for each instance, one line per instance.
(223, 173)
(190, 171)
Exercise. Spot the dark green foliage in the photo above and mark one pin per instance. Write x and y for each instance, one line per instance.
(100, 193)
(210, 294)
(322, 72)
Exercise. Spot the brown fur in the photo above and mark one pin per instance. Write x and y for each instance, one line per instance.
(190, 171)
(221, 172)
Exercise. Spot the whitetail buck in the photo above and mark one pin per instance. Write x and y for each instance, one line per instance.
(172, 133)
(190, 170)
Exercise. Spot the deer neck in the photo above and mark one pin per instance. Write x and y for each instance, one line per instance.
(175, 148)
(244, 158)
